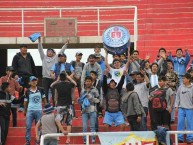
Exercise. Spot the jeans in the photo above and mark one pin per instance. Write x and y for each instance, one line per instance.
(182, 114)
(85, 118)
(4, 125)
(30, 116)
(144, 120)
(46, 82)
(50, 141)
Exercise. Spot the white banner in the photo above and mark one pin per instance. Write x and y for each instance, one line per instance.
(128, 138)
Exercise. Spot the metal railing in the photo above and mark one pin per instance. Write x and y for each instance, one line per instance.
(87, 134)
(176, 135)
(98, 21)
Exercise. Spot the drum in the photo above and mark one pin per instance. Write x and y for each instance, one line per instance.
(116, 39)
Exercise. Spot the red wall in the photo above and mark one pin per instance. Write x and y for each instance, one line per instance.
(161, 23)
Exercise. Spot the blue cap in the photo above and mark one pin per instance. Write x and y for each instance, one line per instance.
(32, 78)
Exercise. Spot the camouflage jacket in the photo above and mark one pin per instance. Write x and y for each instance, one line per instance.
(172, 80)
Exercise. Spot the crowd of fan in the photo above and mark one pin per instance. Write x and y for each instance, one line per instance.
(125, 90)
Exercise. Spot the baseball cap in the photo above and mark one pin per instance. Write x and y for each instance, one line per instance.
(9, 68)
(109, 80)
(79, 53)
(51, 49)
(133, 73)
(97, 55)
(61, 54)
(32, 78)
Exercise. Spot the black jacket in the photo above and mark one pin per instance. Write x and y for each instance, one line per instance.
(24, 66)
(8, 99)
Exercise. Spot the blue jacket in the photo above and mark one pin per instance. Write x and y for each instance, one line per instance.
(180, 63)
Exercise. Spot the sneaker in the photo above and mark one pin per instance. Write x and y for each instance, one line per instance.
(180, 141)
(27, 143)
(84, 142)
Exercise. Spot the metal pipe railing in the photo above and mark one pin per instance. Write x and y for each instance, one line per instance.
(98, 21)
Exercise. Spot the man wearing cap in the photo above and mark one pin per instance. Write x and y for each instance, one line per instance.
(33, 106)
(49, 123)
(14, 86)
(78, 68)
(133, 75)
(61, 66)
(112, 97)
(92, 65)
(117, 71)
(101, 62)
(48, 60)
(97, 50)
(24, 66)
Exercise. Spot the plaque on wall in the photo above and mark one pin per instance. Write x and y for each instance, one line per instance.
(65, 27)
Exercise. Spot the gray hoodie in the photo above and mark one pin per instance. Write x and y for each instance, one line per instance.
(48, 62)
(184, 97)
(134, 104)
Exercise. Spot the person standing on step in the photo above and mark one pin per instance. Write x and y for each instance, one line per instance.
(142, 89)
(78, 68)
(49, 123)
(59, 67)
(184, 107)
(132, 108)
(63, 101)
(180, 62)
(162, 102)
(89, 98)
(172, 82)
(5, 108)
(96, 83)
(33, 106)
(24, 66)
(48, 60)
(14, 86)
(92, 65)
(112, 98)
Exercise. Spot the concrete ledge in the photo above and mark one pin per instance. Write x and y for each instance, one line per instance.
(8, 40)
(55, 42)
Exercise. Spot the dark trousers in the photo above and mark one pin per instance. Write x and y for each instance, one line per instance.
(134, 125)
(144, 120)
(25, 84)
(46, 82)
(4, 124)
(78, 87)
(14, 116)
(152, 116)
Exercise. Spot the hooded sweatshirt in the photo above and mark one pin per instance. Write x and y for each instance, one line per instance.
(184, 97)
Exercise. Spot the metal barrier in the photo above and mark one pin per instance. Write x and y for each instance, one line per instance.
(87, 134)
(98, 20)
(176, 135)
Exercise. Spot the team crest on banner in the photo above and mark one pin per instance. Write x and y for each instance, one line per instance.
(128, 138)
